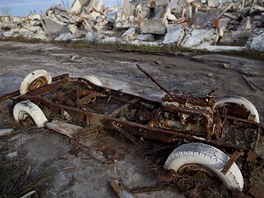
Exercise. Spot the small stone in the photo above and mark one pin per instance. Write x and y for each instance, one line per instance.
(12, 155)
(226, 65)
(210, 75)
(158, 62)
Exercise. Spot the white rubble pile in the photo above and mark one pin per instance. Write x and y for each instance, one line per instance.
(196, 24)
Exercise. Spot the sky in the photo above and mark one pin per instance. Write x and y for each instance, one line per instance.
(25, 7)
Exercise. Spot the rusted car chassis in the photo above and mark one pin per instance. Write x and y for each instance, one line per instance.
(177, 119)
(147, 120)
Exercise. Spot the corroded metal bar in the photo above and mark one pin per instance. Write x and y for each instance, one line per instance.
(120, 190)
(247, 121)
(75, 113)
(124, 133)
(47, 88)
(117, 111)
(154, 80)
(60, 77)
(257, 140)
(9, 95)
(232, 160)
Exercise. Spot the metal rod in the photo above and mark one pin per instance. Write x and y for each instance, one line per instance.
(232, 160)
(130, 137)
(154, 80)
(257, 140)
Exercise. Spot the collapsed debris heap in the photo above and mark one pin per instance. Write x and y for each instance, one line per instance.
(196, 24)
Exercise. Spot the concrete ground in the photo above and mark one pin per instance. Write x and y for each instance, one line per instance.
(78, 172)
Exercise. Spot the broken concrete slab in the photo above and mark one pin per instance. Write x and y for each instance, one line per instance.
(145, 37)
(73, 29)
(199, 36)
(235, 38)
(111, 16)
(153, 26)
(109, 40)
(93, 6)
(141, 12)
(54, 27)
(65, 37)
(246, 24)
(5, 19)
(175, 34)
(126, 18)
(78, 5)
(35, 20)
(130, 34)
(204, 19)
(56, 10)
(257, 41)
(176, 6)
(223, 23)
(105, 37)
(90, 37)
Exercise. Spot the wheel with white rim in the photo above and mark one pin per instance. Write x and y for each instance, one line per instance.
(26, 110)
(35, 80)
(93, 79)
(209, 157)
(239, 101)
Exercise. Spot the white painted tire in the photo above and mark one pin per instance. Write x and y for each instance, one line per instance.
(240, 101)
(208, 156)
(30, 78)
(93, 80)
(26, 108)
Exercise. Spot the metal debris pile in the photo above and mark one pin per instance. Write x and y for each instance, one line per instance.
(196, 24)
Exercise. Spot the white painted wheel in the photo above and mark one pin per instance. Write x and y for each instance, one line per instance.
(24, 109)
(35, 80)
(209, 157)
(239, 101)
(93, 80)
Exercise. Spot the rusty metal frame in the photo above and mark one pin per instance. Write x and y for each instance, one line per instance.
(127, 128)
